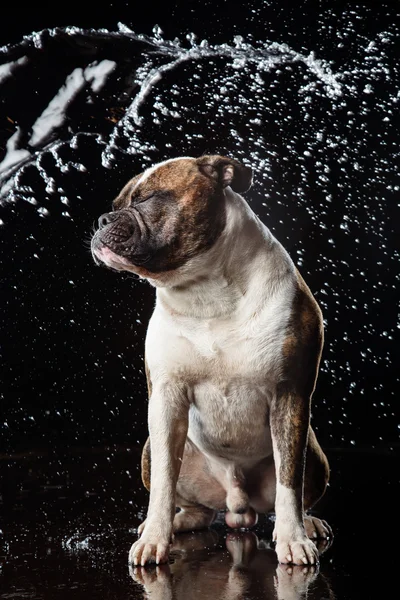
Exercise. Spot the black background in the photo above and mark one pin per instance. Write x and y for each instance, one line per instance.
(72, 334)
(73, 393)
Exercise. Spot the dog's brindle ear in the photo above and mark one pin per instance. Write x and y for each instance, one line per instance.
(227, 171)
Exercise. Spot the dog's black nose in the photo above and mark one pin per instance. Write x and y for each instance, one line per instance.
(106, 219)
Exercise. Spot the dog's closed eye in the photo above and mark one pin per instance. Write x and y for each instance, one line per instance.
(161, 195)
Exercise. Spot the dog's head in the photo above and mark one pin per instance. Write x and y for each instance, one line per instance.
(167, 215)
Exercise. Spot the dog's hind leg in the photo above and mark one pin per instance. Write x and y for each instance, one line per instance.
(194, 482)
(192, 516)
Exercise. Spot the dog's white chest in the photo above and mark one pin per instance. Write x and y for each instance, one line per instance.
(208, 340)
(229, 418)
(247, 344)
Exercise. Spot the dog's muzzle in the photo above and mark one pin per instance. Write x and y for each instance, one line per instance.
(124, 235)
(118, 228)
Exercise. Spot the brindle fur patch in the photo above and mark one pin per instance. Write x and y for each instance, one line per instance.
(214, 164)
(304, 340)
(146, 456)
(146, 464)
(289, 424)
(181, 211)
(291, 414)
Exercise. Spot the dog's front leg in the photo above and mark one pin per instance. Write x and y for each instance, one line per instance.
(289, 420)
(168, 424)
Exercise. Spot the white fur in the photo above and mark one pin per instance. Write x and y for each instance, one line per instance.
(151, 170)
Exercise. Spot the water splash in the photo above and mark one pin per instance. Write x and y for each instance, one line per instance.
(266, 56)
(241, 55)
(321, 137)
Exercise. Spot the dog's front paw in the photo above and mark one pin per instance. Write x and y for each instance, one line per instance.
(149, 549)
(296, 551)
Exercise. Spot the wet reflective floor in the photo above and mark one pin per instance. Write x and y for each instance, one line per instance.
(68, 522)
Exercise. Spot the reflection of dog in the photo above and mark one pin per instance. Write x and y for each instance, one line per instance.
(203, 571)
(232, 354)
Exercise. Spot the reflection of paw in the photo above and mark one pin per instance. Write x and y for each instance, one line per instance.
(296, 552)
(156, 582)
(148, 577)
(292, 583)
(149, 549)
(316, 528)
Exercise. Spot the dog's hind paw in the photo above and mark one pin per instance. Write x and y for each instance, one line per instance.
(241, 521)
(316, 528)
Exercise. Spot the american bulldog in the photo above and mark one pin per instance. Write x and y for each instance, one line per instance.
(232, 354)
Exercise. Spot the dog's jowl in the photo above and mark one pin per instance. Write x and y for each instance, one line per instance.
(232, 354)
